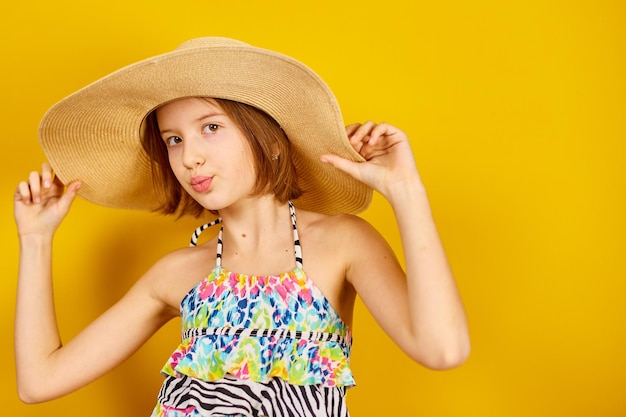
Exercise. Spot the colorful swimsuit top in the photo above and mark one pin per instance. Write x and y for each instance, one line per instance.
(261, 327)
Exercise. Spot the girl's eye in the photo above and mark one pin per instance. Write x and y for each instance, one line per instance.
(209, 128)
(173, 140)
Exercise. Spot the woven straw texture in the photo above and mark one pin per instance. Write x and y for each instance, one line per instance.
(94, 134)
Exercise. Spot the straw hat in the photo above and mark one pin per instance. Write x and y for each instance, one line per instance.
(94, 134)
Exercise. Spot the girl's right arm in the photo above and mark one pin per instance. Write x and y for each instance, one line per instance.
(47, 369)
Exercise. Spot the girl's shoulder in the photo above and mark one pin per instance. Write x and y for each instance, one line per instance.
(334, 249)
(337, 226)
(176, 273)
(344, 238)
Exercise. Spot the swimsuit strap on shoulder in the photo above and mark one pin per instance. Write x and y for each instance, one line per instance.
(196, 233)
(296, 240)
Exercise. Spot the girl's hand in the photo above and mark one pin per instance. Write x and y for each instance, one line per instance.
(40, 203)
(388, 157)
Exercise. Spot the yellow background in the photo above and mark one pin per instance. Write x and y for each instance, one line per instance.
(516, 113)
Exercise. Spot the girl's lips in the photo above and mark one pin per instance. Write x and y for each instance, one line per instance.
(200, 184)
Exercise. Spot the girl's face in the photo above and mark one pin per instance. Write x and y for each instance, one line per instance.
(207, 152)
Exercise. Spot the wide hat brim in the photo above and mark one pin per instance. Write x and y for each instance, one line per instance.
(94, 134)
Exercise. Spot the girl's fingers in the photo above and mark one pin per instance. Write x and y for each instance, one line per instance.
(382, 130)
(372, 140)
(350, 129)
(38, 186)
(23, 193)
(359, 136)
(349, 167)
(34, 183)
(378, 131)
(46, 175)
(66, 199)
(363, 132)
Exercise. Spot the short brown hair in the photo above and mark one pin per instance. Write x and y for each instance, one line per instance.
(266, 140)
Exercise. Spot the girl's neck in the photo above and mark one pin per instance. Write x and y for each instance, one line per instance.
(253, 221)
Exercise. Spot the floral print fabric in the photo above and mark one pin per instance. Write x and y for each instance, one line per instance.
(290, 301)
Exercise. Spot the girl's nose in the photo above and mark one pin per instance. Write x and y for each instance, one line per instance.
(192, 155)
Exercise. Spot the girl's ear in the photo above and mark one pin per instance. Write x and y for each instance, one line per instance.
(275, 151)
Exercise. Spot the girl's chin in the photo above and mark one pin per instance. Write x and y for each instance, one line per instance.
(213, 202)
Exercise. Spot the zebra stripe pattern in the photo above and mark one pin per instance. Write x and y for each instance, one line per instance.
(230, 396)
(276, 333)
(196, 233)
(296, 239)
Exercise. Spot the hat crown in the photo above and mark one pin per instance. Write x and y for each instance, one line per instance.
(209, 42)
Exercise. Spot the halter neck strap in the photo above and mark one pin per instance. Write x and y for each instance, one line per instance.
(218, 257)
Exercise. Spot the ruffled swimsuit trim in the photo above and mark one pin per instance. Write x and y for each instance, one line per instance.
(261, 327)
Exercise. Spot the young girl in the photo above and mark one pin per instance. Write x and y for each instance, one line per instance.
(257, 139)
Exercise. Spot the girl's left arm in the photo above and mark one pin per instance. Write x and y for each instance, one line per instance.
(423, 311)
